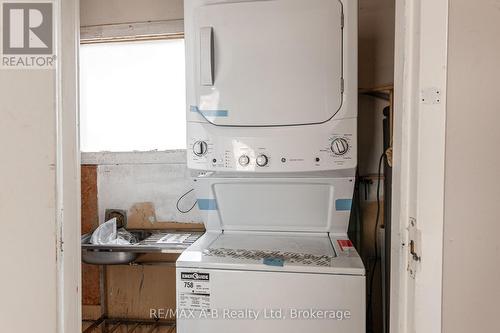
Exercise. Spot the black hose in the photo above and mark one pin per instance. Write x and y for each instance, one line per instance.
(377, 221)
(182, 197)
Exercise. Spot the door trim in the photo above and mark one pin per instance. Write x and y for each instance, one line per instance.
(68, 202)
(419, 159)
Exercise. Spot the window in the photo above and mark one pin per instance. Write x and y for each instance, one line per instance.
(132, 96)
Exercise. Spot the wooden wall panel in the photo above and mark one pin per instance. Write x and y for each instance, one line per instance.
(90, 220)
(90, 285)
(133, 290)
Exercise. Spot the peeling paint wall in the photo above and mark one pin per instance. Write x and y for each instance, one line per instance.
(147, 185)
(137, 186)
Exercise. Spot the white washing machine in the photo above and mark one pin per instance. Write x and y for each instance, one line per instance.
(264, 282)
(272, 137)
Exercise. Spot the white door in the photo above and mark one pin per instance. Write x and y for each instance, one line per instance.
(268, 63)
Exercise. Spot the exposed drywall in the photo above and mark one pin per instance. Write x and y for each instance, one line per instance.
(101, 12)
(471, 288)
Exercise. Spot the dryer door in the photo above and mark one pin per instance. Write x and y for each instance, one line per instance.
(268, 63)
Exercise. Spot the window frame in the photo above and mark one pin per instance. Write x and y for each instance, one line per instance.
(130, 32)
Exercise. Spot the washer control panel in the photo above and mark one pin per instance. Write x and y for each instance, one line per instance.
(289, 149)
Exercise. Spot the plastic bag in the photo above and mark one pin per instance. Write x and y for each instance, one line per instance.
(126, 236)
(107, 234)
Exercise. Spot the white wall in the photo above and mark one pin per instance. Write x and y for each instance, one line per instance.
(28, 200)
(471, 283)
(36, 248)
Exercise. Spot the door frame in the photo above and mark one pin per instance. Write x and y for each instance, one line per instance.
(68, 179)
(421, 48)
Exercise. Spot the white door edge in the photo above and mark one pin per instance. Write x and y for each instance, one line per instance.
(419, 159)
(68, 224)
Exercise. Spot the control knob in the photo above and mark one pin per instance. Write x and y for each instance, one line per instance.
(339, 146)
(262, 160)
(244, 160)
(200, 148)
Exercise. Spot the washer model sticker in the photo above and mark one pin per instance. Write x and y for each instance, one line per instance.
(194, 291)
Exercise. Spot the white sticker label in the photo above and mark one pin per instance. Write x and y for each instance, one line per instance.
(174, 239)
(194, 291)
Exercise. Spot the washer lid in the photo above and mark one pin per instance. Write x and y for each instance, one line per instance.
(268, 63)
(292, 252)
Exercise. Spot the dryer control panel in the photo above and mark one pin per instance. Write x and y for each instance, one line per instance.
(329, 146)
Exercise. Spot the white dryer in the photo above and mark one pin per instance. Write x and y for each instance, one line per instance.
(272, 137)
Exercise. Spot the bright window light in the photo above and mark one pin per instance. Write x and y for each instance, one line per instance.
(133, 96)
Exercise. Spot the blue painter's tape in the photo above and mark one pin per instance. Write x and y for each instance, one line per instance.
(207, 204)
(279, 262)
(343, 204)
(210, 113)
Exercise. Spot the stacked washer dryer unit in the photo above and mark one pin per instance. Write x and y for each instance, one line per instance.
(272, 137)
